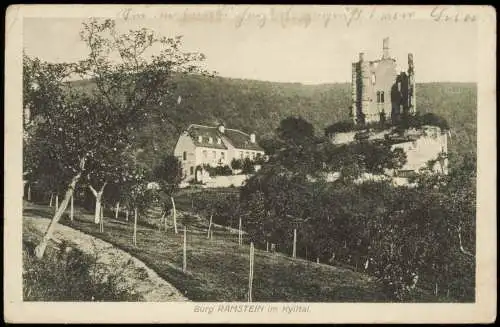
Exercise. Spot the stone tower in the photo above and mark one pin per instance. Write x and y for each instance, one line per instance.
(379, 93)
(412, 104)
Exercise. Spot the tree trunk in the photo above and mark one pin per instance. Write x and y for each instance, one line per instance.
(174, 213)
(462, 249)
(40, 249)
(97, 211)
(101, 221)
(98, 199)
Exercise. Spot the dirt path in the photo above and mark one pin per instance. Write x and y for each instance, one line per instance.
(133, 274)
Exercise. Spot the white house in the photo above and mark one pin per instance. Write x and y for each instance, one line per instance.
(215, 146)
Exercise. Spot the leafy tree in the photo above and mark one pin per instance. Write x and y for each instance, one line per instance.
(84, 133)
(295, 131)
(270, 145)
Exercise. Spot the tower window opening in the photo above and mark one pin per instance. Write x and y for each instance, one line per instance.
(382, 97)
(378, 96)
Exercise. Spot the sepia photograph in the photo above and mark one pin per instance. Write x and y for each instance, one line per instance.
(251, 161)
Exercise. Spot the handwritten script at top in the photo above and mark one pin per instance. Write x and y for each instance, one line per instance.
(300, 17)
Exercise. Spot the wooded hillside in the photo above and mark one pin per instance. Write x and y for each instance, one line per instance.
(259, 106)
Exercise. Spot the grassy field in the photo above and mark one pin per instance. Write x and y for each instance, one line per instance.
(217, 269)
(184, 198)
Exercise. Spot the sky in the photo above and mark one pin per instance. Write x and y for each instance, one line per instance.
(283, 45)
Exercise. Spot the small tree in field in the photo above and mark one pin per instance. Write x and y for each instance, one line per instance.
(169, 175)
(83, 132)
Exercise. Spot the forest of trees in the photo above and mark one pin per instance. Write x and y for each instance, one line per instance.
(406, 237)
(260, 106)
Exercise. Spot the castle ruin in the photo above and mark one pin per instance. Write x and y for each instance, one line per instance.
(379, 92)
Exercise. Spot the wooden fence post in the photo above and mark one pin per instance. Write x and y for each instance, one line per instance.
(126, 215)
(294, 251)
(51, 197)
(174, 213)
(164, 219)
(117, 210)
(209, 227)
(29, 192)
(135, 227)
(184, 252)
(240, 235)
(250, 275)
(71, 209)
(267, 246)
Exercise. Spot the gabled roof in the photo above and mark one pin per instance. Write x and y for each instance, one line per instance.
(206, 132)
(241, 140)
(236, 138)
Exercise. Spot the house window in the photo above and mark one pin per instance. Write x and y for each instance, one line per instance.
(247, 154)
(200, 139)
(382, 97)
(378, 96)
(253, 155)
(205, 154)
(222, 155)
(191, 170)
(241, 154)
(210, 140)
(184, 155)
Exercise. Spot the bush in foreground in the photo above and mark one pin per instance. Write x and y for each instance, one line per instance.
(66, 276)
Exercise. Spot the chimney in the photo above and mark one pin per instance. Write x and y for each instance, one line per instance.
(385, 46)
(361, 56)
(252, 138)
(221, 128)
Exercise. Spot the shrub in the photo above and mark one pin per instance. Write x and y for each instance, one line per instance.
(248, 166)
(67, 276)
(339, 127)
(236, 164)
